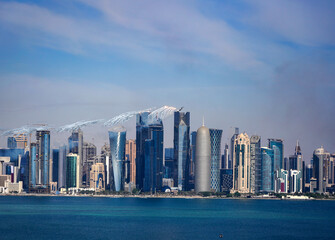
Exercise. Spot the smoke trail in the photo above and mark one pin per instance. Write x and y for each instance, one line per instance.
(24, 130)
(124, 117)
(161, 113)
(79, 124)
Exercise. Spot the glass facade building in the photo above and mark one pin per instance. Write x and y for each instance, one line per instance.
(278, 153)
(181, 143)
(267, 169)
(76, 143)
(117, 140)
(55, 164)
(33, 163)
(71, 170)
(215, 138)
(255, 163)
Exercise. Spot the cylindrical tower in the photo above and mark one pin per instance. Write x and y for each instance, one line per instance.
(203, 160)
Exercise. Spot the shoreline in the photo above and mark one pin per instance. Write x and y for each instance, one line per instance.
(159, 196)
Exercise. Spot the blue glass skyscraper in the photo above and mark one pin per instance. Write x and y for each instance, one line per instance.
(117, 139)
(181, 143)
(33, 163)
(55, 164)
(278, 151)
(267, 169)
(215, 138)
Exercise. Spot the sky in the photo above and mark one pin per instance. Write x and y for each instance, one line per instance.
(267, 67)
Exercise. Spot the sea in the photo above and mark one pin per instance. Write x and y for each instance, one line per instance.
(56, 217)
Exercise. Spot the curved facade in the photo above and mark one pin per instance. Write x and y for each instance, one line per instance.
(267, 171)
(318, 159)
(117, 140)
(203, 160)
(215, 137)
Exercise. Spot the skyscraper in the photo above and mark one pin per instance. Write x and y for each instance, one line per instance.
(203, 160)
(131, 157)
(55, 165)
(97, 177)
(215, 139)
(89, 152)
(39, 163)
(318, 171)
(169, 162)
(232, 142)
(181, 143)
(76, 142)
(241, 164)
(267, 169)
(117, 139)
(192, 159)
(278, 153)
(255, 163)
(153, 176)
(225, 157)
(72, 171)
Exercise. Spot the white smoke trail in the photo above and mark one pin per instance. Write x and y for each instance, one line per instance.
(124, 117)
(79, 124)
(161, 113)
(24, 130)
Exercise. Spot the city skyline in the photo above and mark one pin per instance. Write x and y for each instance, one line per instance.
(267, 68)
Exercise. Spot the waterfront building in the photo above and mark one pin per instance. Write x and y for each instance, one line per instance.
(97, 177)
(131, 157)
(255, 163)
(192, 160)
(153, 176)
(295, 181)
(225, 157)
(62, 166)
(215, 139)
(281, 181)
(169, 162)
(55, 165)
(89, 153)
(117, 139)
(203, 160)
(226, 178)
(232, 150)
(76, 141)
(267, 169)
(278, 153)
(318, 169)
(181, 143)
(241, 164)
(72, 171)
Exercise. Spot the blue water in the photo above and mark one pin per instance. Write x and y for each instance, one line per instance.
(133, 218)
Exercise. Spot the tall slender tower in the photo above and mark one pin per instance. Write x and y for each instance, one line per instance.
(117, 139)
(318, 171)
(241, 164)
(181, 142)
(203, 160)
(76, 143)
(255, 163)
(131, 156)
(215, 137)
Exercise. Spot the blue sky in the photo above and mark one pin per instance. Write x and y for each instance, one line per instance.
(264, 66)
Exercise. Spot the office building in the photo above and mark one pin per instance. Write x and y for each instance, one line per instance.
(11, 142)
(55, 165)
(203, 160)
(295, 181)
(267, 170)
(117, 139)
(168, 163)
(215, 139)
(255, 163)
(131, 157)
(76, 141)
(225, 158)
(226, 178)
(232, 150)
(72, 171)
(89, 153)
(281, 181)
(181, 143)
(97, 177)
(318, 169)
(241, 164)
(278, 153)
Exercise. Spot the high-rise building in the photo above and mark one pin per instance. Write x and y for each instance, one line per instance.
(192, 159)
(318, 169)
(232, 150)
(62, 167)
(169, 162)
(203, 160)
(226, 178)
(181, 143)
(215, 138)
(39, 163)
(89, 153)
(278, 153)
(255, 163)
(295, 161)
(97, 177)
(153, 176)
(241, 164)
(72, 171)
(295, 181)
(55, 165)
(267, 169)
(225, 157)
(131, 157)
(76, 142)
(117, 139)
(281, 181)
